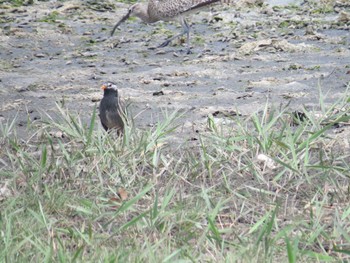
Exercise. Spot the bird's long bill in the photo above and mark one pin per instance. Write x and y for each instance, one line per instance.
(121, 21)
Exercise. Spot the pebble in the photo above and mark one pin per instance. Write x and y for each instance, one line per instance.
(39, 55)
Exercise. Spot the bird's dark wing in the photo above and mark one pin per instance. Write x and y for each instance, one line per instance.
(114, 119)
(199, 4)
(102, 114)
(104, 126)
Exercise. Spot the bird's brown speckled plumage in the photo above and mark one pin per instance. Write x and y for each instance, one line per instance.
(166, 10)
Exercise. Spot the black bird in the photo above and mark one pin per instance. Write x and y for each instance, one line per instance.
(111, 108)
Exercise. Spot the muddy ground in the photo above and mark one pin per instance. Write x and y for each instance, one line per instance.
(243, 57)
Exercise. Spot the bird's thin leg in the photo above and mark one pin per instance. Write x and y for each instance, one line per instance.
(167, 42)
(186, 30)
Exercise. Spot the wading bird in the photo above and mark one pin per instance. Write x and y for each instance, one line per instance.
(167, 10)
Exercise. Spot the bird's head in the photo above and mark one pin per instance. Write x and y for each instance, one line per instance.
(109, 87)
(139, 10)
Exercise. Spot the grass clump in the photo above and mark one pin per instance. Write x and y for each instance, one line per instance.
(51, 18)
(17, 3)
(127, 1)
(273, 186)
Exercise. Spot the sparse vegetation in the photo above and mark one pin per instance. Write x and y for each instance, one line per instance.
(227, 185)
(127, 1)
(51, 18)
(272, 187)
(316, 67)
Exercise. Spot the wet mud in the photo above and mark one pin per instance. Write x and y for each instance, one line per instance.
(243, 58)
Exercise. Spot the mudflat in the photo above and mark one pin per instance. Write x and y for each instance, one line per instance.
(244, 57)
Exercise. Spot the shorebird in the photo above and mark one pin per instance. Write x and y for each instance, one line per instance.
(111, 108)
(166, 10)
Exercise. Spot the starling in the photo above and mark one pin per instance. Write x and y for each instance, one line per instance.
(111, 108)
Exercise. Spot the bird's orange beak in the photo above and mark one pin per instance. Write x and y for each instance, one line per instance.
(103, 87)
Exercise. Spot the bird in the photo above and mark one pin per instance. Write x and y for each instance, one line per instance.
(166, 10)
(111, 108)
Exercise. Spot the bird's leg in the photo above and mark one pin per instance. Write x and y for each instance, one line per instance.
(167, 42)
(186, 30)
